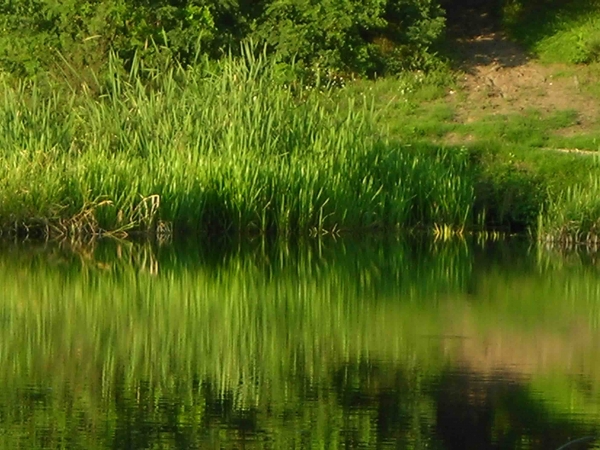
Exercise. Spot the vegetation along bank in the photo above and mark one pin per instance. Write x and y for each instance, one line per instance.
(291, 119)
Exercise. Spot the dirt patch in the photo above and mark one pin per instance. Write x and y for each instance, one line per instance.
(500, 78)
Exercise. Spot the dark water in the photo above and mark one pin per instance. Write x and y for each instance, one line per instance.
(323, 344)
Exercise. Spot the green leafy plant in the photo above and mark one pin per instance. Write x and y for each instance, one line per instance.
(350, 35)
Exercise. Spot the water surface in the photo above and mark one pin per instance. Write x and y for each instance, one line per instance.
(321, 344)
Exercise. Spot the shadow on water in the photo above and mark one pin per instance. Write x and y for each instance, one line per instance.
(497, 413)
(376, 406)
(321, 344)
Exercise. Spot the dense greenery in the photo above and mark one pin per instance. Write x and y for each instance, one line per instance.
(365, 37)
(574, 215)
(216, 148)
(557, 31)
(248, 144)
(340, 36)
(231, 147)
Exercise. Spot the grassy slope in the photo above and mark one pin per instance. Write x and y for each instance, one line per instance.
(527, 177)
(222, 149)
(563, 32)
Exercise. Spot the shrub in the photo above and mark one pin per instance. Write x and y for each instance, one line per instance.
(84, 32)
(371, 36)
(368, 37)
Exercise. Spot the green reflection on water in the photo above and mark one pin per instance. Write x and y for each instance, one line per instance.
(317, 345)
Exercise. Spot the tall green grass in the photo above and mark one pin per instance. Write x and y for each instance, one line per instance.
(573, 216)
(227, 147)
(240, 147)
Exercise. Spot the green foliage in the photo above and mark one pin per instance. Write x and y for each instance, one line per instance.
(509, 194)
(329, 33)
(573, 215)
(416, 25)
(350, 35)
(225, 147)
(36, 32)
(556, 31)
(374, 37)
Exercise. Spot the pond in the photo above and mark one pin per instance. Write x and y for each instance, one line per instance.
(347, 343)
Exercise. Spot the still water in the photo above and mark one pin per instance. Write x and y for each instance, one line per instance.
(321, 344)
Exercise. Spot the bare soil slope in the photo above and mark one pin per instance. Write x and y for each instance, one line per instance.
(500, 78)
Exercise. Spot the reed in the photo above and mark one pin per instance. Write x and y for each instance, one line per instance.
(573, 216)
(228, 147)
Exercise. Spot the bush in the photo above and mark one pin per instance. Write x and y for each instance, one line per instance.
(367, 37)
(84, 32)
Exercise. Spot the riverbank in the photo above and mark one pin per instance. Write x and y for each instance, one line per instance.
(216, 149)
(230, 148)
(502, 140)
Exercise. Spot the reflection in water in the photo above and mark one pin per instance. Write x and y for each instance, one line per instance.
(321, 344)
